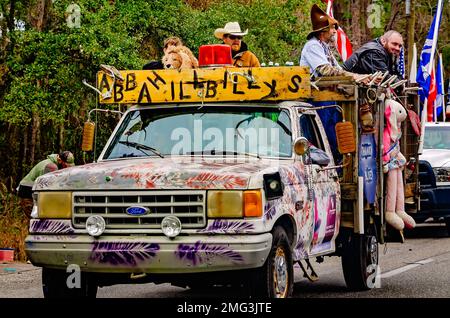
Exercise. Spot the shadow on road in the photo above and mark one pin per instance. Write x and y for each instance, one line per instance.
(319, 289)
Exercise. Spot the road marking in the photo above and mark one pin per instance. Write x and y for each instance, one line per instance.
(406, 268)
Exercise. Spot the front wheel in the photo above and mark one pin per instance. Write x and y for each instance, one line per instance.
(276, 278)
(360, 261)
(60, 284)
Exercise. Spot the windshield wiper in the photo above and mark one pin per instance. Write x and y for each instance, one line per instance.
(214, 153)
(140, 147)
(249, 154)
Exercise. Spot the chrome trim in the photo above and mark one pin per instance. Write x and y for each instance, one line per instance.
(188, 205)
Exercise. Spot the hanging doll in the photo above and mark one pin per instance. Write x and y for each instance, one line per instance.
(394, 161)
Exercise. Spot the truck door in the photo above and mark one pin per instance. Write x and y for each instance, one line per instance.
(324, 188)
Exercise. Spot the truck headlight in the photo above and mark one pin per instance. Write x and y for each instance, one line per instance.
(234, 204)
(95, 225)
(442, 174)
(55, 205)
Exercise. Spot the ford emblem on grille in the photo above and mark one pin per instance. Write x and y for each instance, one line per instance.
(137, 210)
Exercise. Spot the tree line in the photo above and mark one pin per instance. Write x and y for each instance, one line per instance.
(47, 47)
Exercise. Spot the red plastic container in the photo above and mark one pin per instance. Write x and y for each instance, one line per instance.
(214, 55)
(6, 254)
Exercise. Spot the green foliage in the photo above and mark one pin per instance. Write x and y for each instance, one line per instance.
(277, 29)
(13, 222)
(45, 68)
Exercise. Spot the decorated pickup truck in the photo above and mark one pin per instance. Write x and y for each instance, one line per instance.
(217, 176)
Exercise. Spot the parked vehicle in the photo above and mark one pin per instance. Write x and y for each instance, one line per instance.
(216, 176)
(434, 174)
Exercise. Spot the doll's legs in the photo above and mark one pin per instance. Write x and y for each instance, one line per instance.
(391, 200)
(400, 204)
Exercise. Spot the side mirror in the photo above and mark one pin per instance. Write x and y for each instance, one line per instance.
(301, 146)
(345, 137)
(88, 136)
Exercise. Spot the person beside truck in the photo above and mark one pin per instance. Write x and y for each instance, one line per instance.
(52, 163)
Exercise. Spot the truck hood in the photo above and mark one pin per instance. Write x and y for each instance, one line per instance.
(436, 157)
(157, 173)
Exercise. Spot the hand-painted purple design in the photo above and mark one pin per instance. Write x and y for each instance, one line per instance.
(45, 182)
(121, 253)
(270, 209)
(300, 251)
(192, 252)
(50, 226)
(224, 226)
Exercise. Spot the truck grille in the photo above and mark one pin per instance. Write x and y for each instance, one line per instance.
(188, 206)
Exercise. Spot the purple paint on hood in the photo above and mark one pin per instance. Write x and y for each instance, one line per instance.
(156, 173)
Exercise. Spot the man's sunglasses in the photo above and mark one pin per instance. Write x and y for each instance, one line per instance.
(234, 37)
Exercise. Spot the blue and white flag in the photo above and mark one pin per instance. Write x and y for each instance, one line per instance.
(427, 55)
(440, 100)
(401, 63)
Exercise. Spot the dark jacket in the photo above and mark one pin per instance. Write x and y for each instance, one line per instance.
(370, 58)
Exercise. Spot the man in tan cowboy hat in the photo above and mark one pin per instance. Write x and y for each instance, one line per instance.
(232, 35)
(316, 53)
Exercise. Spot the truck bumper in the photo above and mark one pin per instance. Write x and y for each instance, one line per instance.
(434, 202)
(149, 254)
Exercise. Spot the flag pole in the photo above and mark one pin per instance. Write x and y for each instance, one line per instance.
(435, 119)
(442, 86)
(413, 65)
(433, 48)
(329, 4)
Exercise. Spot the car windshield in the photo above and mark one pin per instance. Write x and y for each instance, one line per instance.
(437, 137)
(207, 130)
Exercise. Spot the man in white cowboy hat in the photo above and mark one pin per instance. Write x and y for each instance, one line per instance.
(316, 53)
(232, 35)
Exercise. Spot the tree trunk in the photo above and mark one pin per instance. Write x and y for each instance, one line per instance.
(34, 132)
(366, 35)
(61, 138)
(395, 15)
(410, 36)
(12, 10)
(38, 14)
(26, 146)
(356, 23)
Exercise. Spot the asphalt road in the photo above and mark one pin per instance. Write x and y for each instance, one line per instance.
(418, 268)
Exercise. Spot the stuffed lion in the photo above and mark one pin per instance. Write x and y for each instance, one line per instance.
(179, 57)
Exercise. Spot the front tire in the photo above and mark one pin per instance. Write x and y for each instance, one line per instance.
(360, 261)
(276, 278)
(54, 285)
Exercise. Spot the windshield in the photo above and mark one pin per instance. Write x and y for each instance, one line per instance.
(253, 131)
(437, 137)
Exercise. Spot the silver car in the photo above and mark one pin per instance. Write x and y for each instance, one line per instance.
(434, 174)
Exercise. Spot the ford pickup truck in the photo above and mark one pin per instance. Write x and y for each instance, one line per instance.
(216, 176)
